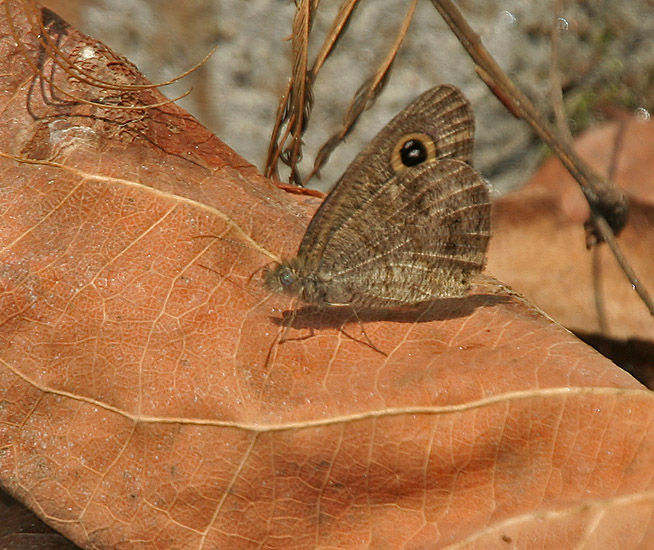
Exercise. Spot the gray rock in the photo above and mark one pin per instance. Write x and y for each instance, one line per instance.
(606, 58)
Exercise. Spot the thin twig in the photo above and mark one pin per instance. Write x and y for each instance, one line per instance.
(287, 116)
(556, 90)
(607, 199)
(339, 25)
(556, 99)
(598, 293)
(618, 143)
(607, 234)
(32, 14)
(295, 106)
(608, 203)
(300, 98)
(276, 144)
(50, 81)
(364, 96)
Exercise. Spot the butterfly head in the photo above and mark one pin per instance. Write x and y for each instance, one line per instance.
(285, 278)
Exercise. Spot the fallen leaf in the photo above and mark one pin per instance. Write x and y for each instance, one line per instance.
(146, 399)
(538, 246)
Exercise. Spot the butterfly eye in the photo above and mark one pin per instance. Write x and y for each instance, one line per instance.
(286, 277)
(413, 152)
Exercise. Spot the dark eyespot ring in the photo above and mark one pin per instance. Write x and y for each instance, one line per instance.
(286, 277)
(413, 152)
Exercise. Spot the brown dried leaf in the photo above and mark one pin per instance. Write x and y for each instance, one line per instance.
(144, 401)
(538, 245)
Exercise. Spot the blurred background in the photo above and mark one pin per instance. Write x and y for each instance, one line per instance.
(606, 64)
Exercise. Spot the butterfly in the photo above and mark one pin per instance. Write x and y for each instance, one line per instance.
(407, 222)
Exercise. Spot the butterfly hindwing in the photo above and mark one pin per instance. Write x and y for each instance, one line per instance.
(424, 234)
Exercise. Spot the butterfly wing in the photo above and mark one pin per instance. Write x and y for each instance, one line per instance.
(442, 114)
(420, 236)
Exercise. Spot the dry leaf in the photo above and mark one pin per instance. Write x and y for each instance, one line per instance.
(145, 401)
(538, 244)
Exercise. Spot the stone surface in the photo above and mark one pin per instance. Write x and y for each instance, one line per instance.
(605, 60)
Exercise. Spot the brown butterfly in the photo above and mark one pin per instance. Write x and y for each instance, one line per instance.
(408, 222)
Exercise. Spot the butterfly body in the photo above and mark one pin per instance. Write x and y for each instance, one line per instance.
(408, 222)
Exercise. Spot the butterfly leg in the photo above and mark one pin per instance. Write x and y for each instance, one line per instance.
(281, 335)
(367, 341)
(287, 326)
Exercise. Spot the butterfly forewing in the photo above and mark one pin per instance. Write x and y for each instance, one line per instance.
(442, 113)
